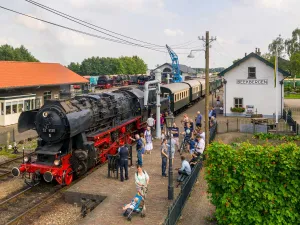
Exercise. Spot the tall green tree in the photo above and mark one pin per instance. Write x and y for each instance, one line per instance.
(75, 67)
(280, 44)
(293, 44)
(8, 53)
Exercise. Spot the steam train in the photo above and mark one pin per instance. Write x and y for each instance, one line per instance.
(77, 134)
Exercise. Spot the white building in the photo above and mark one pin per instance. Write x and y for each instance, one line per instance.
(249, 83)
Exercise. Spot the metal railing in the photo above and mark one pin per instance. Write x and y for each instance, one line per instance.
(175, 210)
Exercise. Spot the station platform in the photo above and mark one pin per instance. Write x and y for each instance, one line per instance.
(116, 193)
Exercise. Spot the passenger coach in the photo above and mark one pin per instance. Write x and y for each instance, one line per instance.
(179, 94)
(195, 89)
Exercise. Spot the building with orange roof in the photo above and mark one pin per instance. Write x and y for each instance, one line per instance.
(26, 86)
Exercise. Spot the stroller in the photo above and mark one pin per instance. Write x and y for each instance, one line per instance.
(140, 206)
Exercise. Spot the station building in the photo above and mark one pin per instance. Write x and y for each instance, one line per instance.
(184, 70)
(249, 87)
(26, 86)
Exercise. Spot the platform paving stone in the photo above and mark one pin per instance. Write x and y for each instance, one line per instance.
(117, 193)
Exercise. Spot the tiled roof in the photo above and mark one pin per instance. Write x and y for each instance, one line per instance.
(29, 74)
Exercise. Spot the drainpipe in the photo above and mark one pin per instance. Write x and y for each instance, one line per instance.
(146, 95)
(225, 82)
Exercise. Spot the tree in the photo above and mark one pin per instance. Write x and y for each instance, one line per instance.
(75, 67)
(295, 65)
(293, 44)
(8, 53)
(234, 61)
(280, 43)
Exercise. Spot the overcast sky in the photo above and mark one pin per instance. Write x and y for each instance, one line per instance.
(239, 25)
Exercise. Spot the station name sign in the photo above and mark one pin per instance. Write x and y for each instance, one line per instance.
(252, 81)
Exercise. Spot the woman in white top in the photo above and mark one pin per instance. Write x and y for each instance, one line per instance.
(141, 178)
(148, 138)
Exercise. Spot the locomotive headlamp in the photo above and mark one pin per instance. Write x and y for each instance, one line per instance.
(45, 114)
(56, 162)
(26, 159)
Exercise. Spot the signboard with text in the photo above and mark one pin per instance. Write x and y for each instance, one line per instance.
(254, 81)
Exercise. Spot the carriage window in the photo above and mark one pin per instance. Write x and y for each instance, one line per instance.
(166, 95)
(20, 106)
(14, 107)
(2, 108)
(8, 108)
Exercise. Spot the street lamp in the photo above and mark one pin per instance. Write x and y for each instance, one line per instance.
(169, 123)
(195, 50)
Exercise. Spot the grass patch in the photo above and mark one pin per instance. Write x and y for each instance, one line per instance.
(292, 96)
(8, 154)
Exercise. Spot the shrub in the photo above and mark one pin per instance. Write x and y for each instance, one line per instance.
(266, 136)
(254, 184)
(236, 109)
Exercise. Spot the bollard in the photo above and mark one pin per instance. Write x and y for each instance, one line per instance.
(237, 124)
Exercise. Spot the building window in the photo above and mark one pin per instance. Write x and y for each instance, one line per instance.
(14, 107)
(20, 106)
(47, 95)
(238, 102)
(8, 108)
(251, 73)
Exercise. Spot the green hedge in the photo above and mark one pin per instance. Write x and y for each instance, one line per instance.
(267, 136)
(254, 184)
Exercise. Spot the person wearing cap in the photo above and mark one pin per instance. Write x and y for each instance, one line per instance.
(123, 163)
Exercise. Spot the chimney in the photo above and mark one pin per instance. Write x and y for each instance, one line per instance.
(245, 54)
(258, 52)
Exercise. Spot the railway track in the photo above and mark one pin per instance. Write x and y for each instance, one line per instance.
(5, 167)
(27, 201)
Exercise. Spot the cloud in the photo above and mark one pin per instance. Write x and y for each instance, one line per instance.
(9, 41)
(173, 33)
(30, 23)
(74, 39)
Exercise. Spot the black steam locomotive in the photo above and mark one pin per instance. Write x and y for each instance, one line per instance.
(76, 134)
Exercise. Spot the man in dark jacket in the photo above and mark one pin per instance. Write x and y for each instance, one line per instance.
(212, 113)
(123, 152)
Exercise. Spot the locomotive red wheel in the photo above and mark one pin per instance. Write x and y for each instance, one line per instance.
(68, 176)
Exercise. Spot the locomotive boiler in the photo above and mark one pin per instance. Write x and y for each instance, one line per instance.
(77, 134)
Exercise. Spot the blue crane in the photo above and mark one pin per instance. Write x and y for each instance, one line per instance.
(175, 66)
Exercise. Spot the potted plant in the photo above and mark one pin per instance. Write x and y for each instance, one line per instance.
(237, 109)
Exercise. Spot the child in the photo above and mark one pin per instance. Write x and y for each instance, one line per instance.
(163, 136)
(131, 205)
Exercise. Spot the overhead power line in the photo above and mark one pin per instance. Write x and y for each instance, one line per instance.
(82, 21)
(78, 31)
(179, 46)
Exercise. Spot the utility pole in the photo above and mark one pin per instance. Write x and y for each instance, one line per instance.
(207, 41)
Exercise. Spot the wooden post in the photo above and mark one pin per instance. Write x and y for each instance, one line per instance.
(237, 124)
(7, 140)
(227, 125)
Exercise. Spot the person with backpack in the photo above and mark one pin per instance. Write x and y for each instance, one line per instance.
(141, 178)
